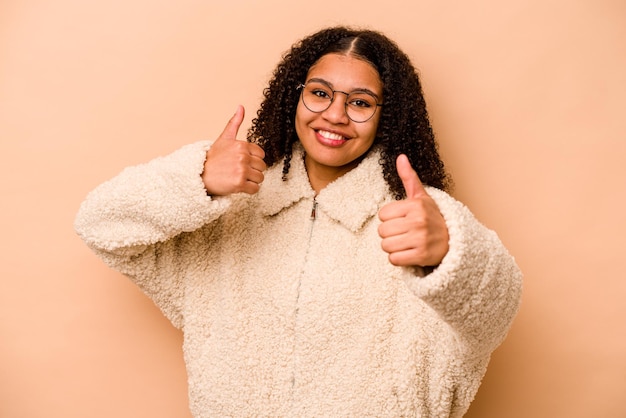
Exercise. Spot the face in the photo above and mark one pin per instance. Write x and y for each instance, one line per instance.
(335, 144)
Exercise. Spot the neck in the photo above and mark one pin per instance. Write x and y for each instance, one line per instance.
(321, 176)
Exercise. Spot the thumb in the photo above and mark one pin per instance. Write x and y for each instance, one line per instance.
(232, 127)
(410, 180)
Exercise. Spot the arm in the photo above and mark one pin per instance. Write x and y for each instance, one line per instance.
(473, 282)
(148, 203)
(131, 221)
(135, 222)
(153, 202)
(476, 288)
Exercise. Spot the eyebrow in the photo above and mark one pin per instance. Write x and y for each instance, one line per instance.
(356, 90)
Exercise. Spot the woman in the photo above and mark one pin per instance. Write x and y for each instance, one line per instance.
(318, 269)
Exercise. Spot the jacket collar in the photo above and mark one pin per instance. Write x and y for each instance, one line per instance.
(350, 200)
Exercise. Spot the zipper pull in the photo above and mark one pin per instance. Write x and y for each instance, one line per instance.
(313, 209)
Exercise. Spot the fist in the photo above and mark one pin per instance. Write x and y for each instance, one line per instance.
(413, 230)
(233, 166)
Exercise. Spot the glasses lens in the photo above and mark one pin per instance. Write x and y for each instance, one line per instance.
(360, 106)
(317, 97)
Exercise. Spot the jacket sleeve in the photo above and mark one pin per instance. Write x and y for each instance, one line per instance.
(134, 221)
(477, 287)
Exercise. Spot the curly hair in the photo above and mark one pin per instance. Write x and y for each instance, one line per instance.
(403, 128)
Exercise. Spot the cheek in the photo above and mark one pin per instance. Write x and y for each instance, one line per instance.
(301, 119)
(369, 131)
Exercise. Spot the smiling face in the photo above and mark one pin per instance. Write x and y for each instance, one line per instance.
(335, 144)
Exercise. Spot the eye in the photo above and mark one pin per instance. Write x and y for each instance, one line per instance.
(360, 103)
(361, 100)
(320, 93)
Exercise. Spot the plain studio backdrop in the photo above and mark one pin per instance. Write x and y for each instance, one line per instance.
(527, 98)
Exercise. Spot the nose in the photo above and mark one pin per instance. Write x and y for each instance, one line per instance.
(336, 112)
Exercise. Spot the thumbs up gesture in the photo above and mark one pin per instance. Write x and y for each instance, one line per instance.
(413, 230)
(233, 166)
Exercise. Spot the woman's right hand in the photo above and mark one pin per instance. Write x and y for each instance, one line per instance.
(233, 166)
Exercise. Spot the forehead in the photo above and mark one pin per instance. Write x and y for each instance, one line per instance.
(346, 72)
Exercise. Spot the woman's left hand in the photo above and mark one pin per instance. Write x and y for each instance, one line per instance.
(413, 230)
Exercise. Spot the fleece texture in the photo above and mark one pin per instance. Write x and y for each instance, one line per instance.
(286, 314)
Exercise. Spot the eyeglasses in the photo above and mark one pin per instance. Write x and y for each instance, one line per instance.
(317, 96)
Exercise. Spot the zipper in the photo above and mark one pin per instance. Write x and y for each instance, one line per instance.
(312, 217)
(313, 209)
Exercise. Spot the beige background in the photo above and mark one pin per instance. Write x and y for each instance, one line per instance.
(527, 98)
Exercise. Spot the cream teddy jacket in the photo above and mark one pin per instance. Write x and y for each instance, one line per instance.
(293, 312)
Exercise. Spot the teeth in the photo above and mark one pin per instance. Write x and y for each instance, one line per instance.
(330, 135)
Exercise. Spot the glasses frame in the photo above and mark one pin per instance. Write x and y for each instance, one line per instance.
(301, 87)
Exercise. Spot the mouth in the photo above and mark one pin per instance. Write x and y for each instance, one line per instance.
(332, 139)
(331, 135)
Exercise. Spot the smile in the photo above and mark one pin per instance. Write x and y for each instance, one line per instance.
(331, 136)
(330, 139)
